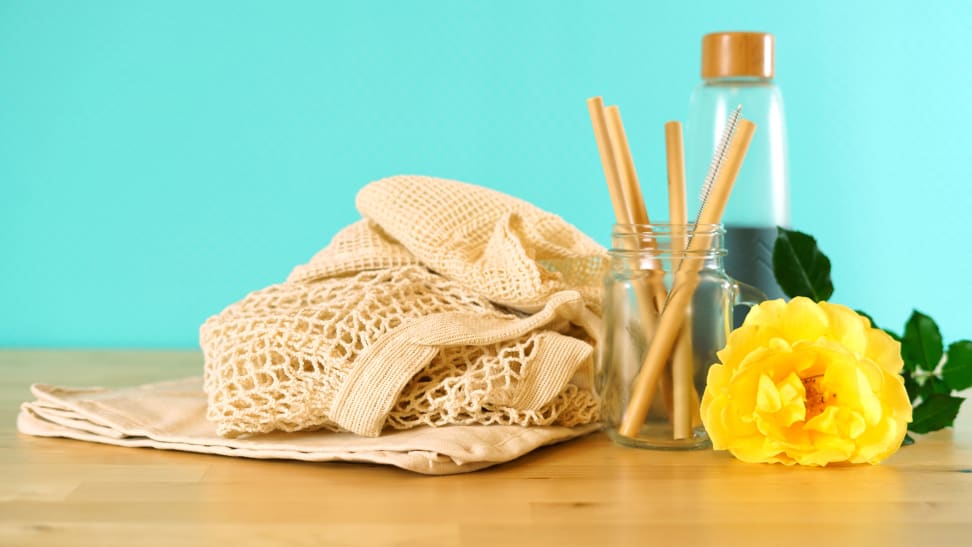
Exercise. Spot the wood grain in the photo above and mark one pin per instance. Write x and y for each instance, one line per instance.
(585, 492)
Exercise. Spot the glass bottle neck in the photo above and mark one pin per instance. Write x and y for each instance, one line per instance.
(738, 80)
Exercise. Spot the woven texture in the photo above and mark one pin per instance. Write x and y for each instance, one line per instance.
(448, 304)
(503, 248)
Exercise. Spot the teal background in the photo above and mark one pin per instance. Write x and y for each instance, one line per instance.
(158, 160)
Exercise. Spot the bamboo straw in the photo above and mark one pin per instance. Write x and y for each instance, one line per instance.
(631, 189)
(621, 200)
(685, 404)
(675, 156)
(595, 105)
(626, 170)
(682, 360)
(638, 214)
(685, 282)
(647, 295)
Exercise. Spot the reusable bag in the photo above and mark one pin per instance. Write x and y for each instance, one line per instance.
(447, 304)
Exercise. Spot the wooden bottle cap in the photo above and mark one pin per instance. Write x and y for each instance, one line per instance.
(728, 54)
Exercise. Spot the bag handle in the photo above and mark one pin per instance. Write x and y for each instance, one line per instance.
(381, 372)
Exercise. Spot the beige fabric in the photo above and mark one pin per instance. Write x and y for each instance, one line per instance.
(171, 416)
(503, 248)
(448, 304)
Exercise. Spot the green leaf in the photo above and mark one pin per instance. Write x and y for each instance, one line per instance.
(931, 386)
(939, 386)
(907, 440)
(921, 346)
(957, 371)
(911, 386)
(799, 266)
(934, 413)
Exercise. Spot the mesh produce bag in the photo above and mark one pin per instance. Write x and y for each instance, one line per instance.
(503, 248)
(447, 304)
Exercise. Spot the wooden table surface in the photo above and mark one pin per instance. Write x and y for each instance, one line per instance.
(584, 492)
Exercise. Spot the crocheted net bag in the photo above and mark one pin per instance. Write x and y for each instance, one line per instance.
(448, 303)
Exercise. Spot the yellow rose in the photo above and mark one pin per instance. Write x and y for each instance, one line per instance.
(807, 383)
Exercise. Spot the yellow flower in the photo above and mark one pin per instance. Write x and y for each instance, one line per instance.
(807, 383)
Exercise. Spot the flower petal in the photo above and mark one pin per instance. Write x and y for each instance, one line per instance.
(852, 425)
(825, 422)
(884, 350)
(792, 393)
(847, 327)
(879, 442)
(826, 449)
(807, 383)
(752, 449)
(870, 404)
(768, 397)
(804, 320)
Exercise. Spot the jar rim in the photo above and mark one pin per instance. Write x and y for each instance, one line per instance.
(665, 228)
(629, 240)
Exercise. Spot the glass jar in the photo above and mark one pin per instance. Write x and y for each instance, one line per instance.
(668, 306)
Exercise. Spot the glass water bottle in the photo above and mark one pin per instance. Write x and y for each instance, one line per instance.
(737, 69)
